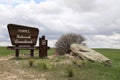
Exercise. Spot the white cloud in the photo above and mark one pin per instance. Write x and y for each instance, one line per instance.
(97, 18)
(115, 36)
(100, 37)
(5, 44)
(105, 41)
(51, 43)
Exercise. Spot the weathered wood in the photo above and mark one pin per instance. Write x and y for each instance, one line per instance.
(23, 48)
(43, 47)
(17, 53)
(32, 53)
(22, 35)
(43, 51)
(23, 38)
(10, 47)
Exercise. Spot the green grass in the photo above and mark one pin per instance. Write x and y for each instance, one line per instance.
(91, 70)
(51, 51)
(4, 51)
(113, 54)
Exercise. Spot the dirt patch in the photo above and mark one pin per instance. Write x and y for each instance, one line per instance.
(6, 58)
(12, 69)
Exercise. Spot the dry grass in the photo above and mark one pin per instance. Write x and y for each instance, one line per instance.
(19, 69)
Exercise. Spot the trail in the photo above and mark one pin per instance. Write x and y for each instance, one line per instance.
(6, 58)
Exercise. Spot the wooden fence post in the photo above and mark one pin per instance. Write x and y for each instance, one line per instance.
(17, 52)
(43, 47)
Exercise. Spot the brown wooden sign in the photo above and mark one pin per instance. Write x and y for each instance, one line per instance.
(25, 38)
(22, 35)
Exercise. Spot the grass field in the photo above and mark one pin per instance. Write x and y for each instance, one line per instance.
(91, 70)
(5, 52)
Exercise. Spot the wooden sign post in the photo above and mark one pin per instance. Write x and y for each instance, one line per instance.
(23, 38)
(43, 47)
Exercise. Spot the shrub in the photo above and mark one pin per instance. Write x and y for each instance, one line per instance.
(74, 61)
(70, 72)
(64, 42)
(78, 62)
(31, 62)
(42, 66)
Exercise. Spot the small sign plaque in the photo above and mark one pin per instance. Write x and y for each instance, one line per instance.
(22, 35)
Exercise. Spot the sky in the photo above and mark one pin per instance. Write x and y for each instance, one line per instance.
(97, 20)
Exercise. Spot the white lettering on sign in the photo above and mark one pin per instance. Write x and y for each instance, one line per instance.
(24, 30)
(24, 36)
(43, 42)
(23, 41)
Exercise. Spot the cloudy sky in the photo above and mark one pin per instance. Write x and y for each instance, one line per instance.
(97, 20)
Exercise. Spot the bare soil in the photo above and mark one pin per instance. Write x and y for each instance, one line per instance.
(12, 69)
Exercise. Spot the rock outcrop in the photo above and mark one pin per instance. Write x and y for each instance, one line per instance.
(89, 54)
